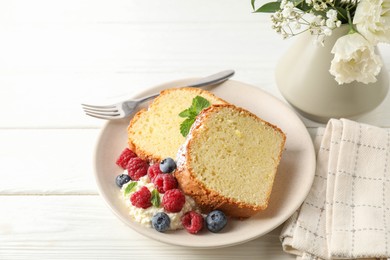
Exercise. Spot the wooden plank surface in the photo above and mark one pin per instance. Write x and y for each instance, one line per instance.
(48, 161)
(82, 227)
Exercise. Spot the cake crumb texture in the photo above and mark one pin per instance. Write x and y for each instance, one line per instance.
(231, 158)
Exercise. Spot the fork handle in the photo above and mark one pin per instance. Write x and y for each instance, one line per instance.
(212, 79)
(144, 99)
(206, 81)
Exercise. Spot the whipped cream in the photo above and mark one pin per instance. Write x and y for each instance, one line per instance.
(181, 153)
(144, 216)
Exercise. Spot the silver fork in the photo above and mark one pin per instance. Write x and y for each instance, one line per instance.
(126, 108)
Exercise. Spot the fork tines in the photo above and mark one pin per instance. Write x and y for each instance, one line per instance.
(102, 112)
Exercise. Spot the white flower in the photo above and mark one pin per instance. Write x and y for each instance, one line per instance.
(372, 20)
(332, 14)
(354, 59)
(283, 3)
(287, 10)
(332, 21)
(320, 5)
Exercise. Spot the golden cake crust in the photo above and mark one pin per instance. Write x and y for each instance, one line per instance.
(206, 198)
(132, 146)
(132, 141)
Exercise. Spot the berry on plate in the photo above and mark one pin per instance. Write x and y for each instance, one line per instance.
(137, 168)
(192, 222)
(167, 165)
(124, 158)
(141, 198)
(215, 221)
(165, 182)
(173, 200)
(161, 222)
(122, 179)
(153, 171)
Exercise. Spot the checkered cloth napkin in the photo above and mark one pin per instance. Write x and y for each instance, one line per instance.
(347, 212)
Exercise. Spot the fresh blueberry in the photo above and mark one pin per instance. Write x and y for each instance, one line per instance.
(161, 221)
(215, 221)
(122, 179)
(167, 165)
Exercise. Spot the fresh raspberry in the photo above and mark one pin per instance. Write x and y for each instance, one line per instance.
(141, 198)
(165, 182)
(137, 168)
(124, 158)
(153, 171)
(192, 222)
(173, 200)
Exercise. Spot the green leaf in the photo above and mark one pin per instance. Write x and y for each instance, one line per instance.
(253, 4)
(304, 6)
(155, 198)
(322, 13)
(187, 113)
(270, 7)
(199, 103)
(342, 14)
(297, 2)
(185, 126)
(130, 188)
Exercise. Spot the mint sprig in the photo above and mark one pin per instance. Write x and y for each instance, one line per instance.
(198, 104)
(185, 126)
(129, 188)
(155, 198)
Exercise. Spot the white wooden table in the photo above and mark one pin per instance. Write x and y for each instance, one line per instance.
(53, 54)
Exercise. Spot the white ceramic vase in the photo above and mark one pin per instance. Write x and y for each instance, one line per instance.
(303, 78)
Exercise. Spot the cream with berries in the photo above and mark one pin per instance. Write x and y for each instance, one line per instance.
(144, 215)
(151, 193)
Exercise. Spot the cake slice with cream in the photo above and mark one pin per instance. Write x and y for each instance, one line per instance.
(229, 160)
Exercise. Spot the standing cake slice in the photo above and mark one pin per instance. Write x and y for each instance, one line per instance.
(153, 134)
(229, 160)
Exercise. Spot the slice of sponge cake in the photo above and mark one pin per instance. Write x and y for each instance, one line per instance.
(154, 134)
(229, 160)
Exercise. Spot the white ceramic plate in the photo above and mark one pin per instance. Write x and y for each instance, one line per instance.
(293, 180)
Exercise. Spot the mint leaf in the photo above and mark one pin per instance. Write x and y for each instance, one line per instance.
(199, 103)
(130, 187)
(155, 198)
(186, 126)
(187, 113)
